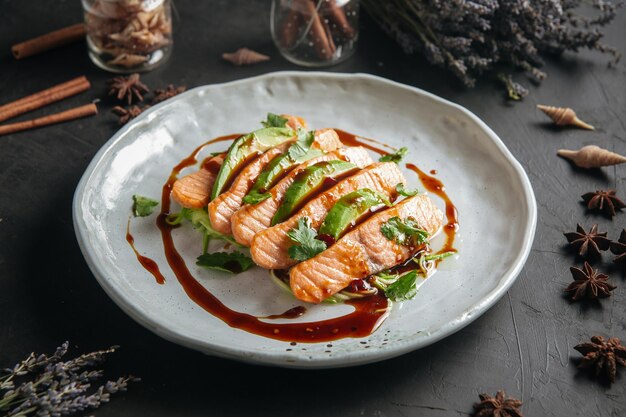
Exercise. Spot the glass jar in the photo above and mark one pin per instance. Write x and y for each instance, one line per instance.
(128, 35)
(315, 33)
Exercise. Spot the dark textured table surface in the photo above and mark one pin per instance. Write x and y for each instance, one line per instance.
(524, 344)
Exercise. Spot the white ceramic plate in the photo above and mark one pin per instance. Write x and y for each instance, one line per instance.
(489, 187)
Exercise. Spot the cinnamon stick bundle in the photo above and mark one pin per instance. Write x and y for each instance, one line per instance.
(324, 47)
(44, 97)
(72, 114)
(49, 41)
(305, 14)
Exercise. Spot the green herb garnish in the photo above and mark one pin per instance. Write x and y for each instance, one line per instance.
(403, 191)
(233, 262)
(395, 286)
(394, 157)
(143, 206)
(404, 232)
(302, 145)
(199, 218)
(274, 120)
(404, 288)
(307, 246)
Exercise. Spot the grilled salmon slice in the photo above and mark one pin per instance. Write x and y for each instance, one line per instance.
(226, 204)
(362, 252)
(194, 190)
(269, 247)
(253, 218)
(295, 122)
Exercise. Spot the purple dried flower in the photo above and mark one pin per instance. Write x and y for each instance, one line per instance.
(57, 388)
(472, 37)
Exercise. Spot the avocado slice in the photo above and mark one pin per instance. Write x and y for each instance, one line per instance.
(297, 153)
(310, 180)
(246, 147)
(348, 211)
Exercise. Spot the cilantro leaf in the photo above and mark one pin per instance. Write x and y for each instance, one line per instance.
(274, 120)
(403, 191)
(255, 198)
(232, 262)
(404, 288)
(302, 145)
(143, 206)
(306, 245)
(404, 232)
(394, 157)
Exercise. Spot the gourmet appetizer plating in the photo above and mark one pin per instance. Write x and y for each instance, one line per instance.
(330, 223)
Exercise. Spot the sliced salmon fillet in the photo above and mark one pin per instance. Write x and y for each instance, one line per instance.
(251, 219)
(362, 252)
(226, 204)
(295, 122)
(194, 190)
(269, 247)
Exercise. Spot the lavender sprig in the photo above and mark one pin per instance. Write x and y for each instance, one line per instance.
(56, 387)
(471, 37)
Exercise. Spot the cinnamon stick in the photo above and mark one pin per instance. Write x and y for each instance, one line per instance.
(49, 41)
(50, 90)
(338, 16)
(323, 47)
(44, 97)
(290, 28)
(65, 116)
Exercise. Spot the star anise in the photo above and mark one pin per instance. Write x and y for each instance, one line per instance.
(605, 201)
(497, 406)
(603, 355)
(619, 249)
(169, 92)
(589, 283)
(128, 88)
(129, 113)
(588, 244)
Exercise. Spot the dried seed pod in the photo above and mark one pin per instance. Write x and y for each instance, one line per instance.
(244, 56)
(564, 116)
(592, 156)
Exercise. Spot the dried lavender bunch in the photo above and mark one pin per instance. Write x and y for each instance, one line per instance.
(51, 387)
(470, 38)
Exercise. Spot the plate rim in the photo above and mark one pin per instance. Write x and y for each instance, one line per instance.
(273, 358)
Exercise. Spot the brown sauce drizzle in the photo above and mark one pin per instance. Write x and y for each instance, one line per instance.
(350, 139)
(369, 312)
(436, 187)
(148, 264)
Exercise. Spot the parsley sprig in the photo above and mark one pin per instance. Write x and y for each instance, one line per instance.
(143, 206)
(306, 245)
(404, 232)
(232, 262)
(395, 156)
(274, 120)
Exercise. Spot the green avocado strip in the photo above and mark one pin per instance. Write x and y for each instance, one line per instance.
(306, 183)
(274, 171)
(246, 146)
(349, 209)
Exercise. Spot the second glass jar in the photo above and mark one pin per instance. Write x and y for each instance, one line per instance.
(315, 33)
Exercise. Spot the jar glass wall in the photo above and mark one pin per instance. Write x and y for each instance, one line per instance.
(128, 35)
